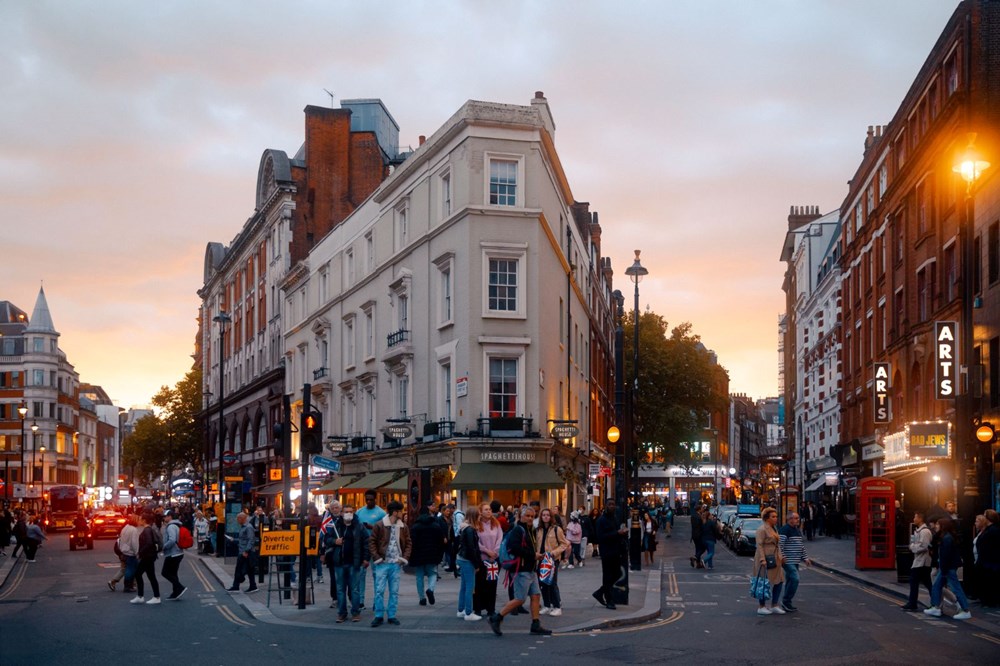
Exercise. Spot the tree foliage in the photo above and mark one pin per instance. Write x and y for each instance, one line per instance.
(679, 386)
(171, 438)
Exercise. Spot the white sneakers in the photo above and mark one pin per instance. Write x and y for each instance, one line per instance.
(569, 566)
(962, 615)
(544, 610)
(137, 600)
(933, 611)
(777, 610)
(472, 617)
(460, 614)
(763, 610)
(556, 612)
(153, 601)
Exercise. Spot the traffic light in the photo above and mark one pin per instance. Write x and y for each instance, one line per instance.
(278, 439)
(131, 489)
(312, 432)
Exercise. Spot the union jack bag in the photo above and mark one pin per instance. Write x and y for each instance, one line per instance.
(492, 570)
(547, 569)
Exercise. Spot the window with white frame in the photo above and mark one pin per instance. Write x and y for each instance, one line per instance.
(403, 312)
(503, 280)
(502, 175)
(348, 267)
(370, 410)
(445, 390)
(503, 385)
(402, 224)
(370, 251)
(324, 284)
(445, 289)
(401, 387)
(349, 351)
(369, 332)
(445, 194)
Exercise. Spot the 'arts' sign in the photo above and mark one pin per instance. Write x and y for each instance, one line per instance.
(883, 412)
(945, 359)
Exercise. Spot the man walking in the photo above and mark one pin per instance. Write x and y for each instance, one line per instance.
(368, 515)
(808, 522)
(920, 570)
(521, 544)
(390, 552)
(172, 555)
(793, 553)
(348, 554)
(697, 525)
(609, 536)
(246, 557)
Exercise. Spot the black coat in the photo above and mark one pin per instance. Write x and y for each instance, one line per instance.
(355, 534)
(468, 546)
(427, 536)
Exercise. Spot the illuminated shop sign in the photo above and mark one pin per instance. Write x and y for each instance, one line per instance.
(917, 444)
(945, 359)
(883, 411)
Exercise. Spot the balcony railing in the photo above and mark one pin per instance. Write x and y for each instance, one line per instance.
(437, 430)
(397, 337)
(319, 373)
(504, 426)
(360, 443)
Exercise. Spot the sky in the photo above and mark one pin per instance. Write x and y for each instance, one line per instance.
(131, 134)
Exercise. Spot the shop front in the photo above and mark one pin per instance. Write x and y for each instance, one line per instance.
(918, 460)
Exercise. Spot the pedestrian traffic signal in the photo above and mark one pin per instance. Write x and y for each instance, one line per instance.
(131, 489)
(312, 432)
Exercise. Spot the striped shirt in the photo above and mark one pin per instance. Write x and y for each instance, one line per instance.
(791, 544)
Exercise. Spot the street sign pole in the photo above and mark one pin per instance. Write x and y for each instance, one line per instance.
(304, 458)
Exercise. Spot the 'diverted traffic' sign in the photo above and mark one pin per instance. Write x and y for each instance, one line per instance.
(279, 542)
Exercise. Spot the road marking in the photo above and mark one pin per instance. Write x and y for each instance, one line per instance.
(230, 616)
(200, 575)
(673, 617)
(987, 637)
(18, 577)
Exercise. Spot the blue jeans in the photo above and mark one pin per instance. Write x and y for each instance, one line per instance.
(386, 574)
(348, 582)
(428, 571)
(791, 582)
(574, 553)
(951, 577)
(709, 554)
(467, 570)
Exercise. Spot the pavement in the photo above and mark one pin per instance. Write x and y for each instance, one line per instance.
(581, 613)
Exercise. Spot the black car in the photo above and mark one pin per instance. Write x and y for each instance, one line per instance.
(745, 535)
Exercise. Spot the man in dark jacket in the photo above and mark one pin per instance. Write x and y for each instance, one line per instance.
(521, 544)
(347, 550)
(428, 537)
(696, 533)
(609, 536)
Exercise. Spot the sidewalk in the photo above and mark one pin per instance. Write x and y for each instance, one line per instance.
(580, 611)
(838, 557)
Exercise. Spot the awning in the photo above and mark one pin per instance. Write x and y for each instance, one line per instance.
(816, 484)
(400, 485)
(330, 487)
(369, 481)
(506, 476)
(270, 488)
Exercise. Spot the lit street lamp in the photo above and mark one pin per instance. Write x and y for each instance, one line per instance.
(34, 431)
(42, 490)
(635, 272)
(970, 167)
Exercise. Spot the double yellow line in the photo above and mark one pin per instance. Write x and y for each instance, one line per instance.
(232, 617)
(672, 588)
(200, 575)
(21, 567)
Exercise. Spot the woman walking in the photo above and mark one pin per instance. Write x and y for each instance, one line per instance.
(709, 536)
(147, 561)
(469, 558)
(574, 534)
(201, 532)
(767, 561)
(648, 537)
(551, 540)
(484, 597)
(949, 560)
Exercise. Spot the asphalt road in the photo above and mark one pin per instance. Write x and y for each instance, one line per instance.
(60, 611)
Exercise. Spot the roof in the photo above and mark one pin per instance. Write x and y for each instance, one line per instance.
(41, 320)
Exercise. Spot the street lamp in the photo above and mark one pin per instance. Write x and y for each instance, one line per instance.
(34, 430)
(170, 466)
(635, 272)
(42, 490)
(970, 166)
(222, 318)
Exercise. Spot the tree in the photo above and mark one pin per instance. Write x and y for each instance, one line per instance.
(171, 439)
(679, 386)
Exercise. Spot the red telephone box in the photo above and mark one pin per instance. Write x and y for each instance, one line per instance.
(875, 546)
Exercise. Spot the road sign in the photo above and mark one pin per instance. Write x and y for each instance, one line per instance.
(326, 463)
(605, 471)
(594, 469)
(279, 542)
(228, 457)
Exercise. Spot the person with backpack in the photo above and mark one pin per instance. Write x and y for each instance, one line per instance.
(427, 537)
(148, 549)
(949, 561)
(920, 570)
(519, 558)
(173, 552)
(552, 543)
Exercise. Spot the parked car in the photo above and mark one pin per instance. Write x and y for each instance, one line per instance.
(745, 535)
(106, 524)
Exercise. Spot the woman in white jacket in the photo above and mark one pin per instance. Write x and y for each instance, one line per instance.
(920, 571)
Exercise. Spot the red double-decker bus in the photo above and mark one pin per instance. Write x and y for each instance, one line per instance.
(65, 502)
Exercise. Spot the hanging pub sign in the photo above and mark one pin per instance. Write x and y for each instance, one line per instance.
(929, 440)
(945, 359)
(883, 411)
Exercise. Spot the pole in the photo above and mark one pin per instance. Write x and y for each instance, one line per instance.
(635, 527)
(621, 468)
(220, 527)
(966, 497)
(21, 475)
(304, 460)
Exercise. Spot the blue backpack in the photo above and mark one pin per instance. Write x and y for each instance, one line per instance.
(508, 562)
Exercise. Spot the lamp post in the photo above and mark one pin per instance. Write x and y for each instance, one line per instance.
(34, 430)
(170, 466)
(970, 167)
(635, 272)
(42, 488)
(220, 530)
(23, 411)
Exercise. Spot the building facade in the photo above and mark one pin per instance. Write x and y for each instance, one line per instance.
(902, 258)
(347, 152)
(457, 327)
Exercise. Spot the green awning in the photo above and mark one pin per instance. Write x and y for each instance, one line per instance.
(330, 487)
(506, 476)
(369, 481)
(400, 485)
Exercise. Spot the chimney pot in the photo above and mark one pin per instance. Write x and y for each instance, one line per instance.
(539, 94)
(421, 139)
